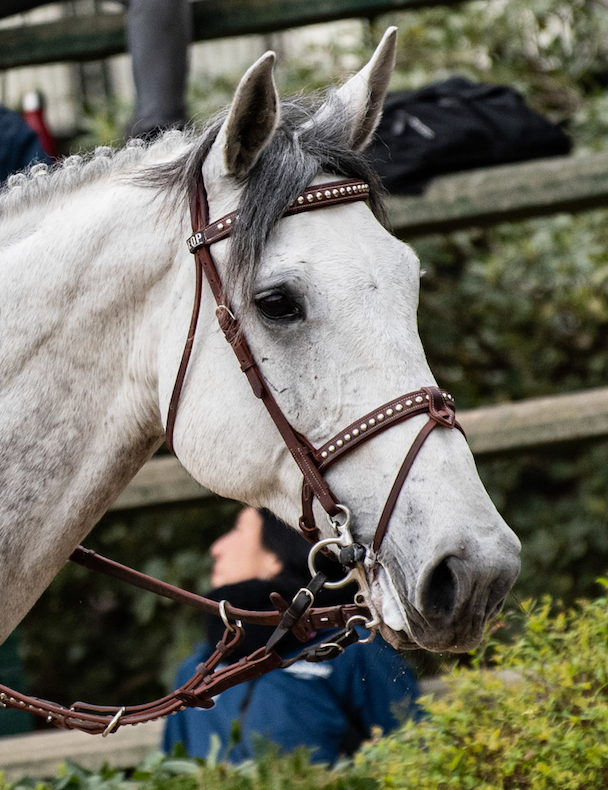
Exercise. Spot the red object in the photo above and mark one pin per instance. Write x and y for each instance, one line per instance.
(33, 114)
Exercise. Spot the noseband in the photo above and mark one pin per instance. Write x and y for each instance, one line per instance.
(313, 462)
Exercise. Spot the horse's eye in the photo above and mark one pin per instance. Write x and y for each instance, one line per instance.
(279, 306)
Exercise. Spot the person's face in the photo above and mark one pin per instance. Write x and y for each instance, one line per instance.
(239, 554)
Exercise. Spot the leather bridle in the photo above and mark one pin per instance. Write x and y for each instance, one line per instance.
(313, 462)
(299, 617)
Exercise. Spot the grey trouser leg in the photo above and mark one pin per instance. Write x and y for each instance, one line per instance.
(158, 34)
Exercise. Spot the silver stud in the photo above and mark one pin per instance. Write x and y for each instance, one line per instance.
(324, 454)
(356, 432)
(419, 399)
(399, 407)
(444, 394)
(327, 193)
(335, 192)
(3, 696)
(347, 437)
(363, 426)
(301, 199)
(427, 397)
(365, 186)
(389, 412)
(342, 191)
(310, 198)
(349, 190)
(450, 397)
(372, 422)
(49, 718)
(339, 442)
(220, 226)
(228, 221)
(380, 417)
(331, 448)
(3, 704)
(319, 196)
(408, 402)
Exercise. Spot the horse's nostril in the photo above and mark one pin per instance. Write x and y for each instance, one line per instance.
(440, 593)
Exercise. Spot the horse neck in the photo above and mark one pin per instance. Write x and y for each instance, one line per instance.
(79, 412)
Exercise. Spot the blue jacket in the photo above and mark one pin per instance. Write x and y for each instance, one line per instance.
(329, 707)
(19, 144)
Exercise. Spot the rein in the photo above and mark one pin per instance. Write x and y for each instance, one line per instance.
(299, 616)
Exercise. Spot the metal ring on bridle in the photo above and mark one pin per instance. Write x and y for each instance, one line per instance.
(367, 624)
(113, 723)
(313, 571)
(334, 521)
(331, 644)
(224, 616)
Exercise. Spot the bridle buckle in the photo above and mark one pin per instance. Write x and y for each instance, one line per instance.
(441, 409)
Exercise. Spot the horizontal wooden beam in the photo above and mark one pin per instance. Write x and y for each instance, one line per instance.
(507, 427)
(503, 194)
(40, 754)
(161, 481)
(100, 36)
(537, 422)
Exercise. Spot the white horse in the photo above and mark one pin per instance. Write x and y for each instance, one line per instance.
(96, 289)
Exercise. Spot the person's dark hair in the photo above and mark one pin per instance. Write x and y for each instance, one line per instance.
(283, 541)
(292, 551)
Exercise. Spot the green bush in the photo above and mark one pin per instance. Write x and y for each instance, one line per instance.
(532, 714)
(539, 724)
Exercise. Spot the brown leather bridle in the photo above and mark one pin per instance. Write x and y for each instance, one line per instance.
(439, 405)
(300, 616)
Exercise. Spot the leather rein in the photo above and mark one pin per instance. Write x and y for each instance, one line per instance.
(299, 617)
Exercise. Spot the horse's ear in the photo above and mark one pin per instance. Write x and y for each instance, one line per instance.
(364, 93)
(252, 120)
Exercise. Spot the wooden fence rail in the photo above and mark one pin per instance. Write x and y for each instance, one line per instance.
(508, 427)
(95, 37)
(503, 194)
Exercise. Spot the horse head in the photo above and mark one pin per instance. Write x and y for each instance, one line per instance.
(327, 301)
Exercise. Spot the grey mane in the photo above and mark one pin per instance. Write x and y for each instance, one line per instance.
(301, 149)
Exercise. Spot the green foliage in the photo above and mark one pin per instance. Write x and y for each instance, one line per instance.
(532, 714)
(269, 771)
(541, 722)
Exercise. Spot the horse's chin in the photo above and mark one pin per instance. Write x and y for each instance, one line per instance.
(397, 639)
(403, 641)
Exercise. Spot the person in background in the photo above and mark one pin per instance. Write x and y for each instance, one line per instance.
(329, 707)
(33, 114)
(158, 35)
(20, 146)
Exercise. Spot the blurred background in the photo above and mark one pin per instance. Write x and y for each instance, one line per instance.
(515, 311)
